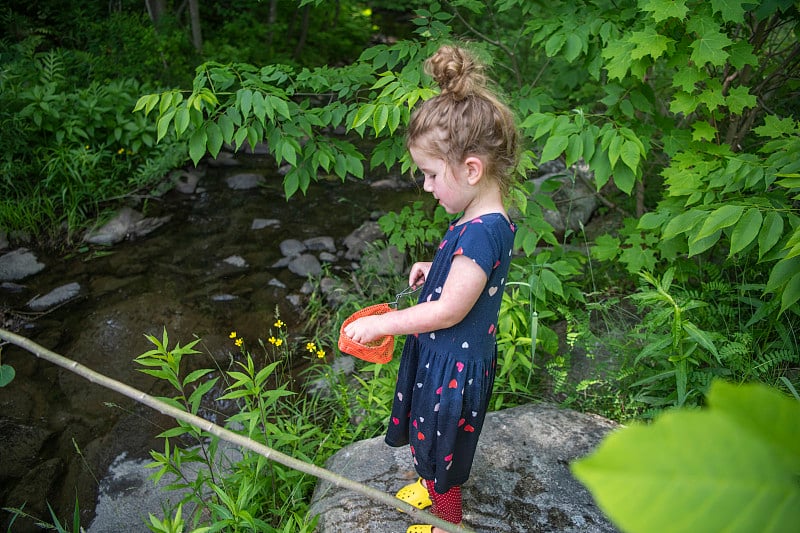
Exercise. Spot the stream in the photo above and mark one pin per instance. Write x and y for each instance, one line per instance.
(204, 274)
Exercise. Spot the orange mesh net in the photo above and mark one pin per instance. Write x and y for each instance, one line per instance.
(379, 351)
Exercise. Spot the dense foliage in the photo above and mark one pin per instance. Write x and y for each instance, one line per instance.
(684, 111)
(686, 106)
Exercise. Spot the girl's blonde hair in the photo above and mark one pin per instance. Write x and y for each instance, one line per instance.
(466, 118)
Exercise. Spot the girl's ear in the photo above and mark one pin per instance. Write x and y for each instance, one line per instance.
(474, 167)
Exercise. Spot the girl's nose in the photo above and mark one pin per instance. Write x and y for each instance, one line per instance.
(427, 185)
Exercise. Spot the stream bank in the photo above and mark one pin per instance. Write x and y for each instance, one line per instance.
(220, 261)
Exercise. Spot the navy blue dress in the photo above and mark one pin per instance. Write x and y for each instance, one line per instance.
(446, 376)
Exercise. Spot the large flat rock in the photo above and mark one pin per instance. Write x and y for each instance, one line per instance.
(520, 482)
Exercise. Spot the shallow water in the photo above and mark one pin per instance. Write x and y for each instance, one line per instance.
(176, 279)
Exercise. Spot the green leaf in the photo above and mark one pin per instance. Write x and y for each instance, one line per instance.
(698, 246)
(746, 230)
(551, 282)
(745, 404)
(721, 218)
(380, 118)
(618, 52)
(194, 376)
(605, 248)
(214, 134)
(775, 127)
(731, 10)
(244, 97)
(554, 147)
(629, 153)
(703, 131)
(574, 149)
(197, 145)
(7, 374)
(363, 114)
(700, 337)
(226, 127)
(730, 467)
(573, 47)
(637, 259)
(280, 105)
(665, 9)
(791, 293)
(554, 44)
(652, 220)
(710, 48)
(163, 124)
(739, 99)
(771, 232)
(687, 78)
(624, 179)
(781, 272)
(683, 102)
(648, 43)
(288, 152)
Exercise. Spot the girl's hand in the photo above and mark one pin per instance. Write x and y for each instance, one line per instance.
(419, 273)
(365, 329)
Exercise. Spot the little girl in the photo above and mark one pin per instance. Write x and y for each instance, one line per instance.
(464, 140)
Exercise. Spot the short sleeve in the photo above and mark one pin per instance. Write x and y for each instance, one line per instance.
(481, 243)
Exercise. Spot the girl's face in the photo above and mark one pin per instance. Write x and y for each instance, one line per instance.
(446, 183)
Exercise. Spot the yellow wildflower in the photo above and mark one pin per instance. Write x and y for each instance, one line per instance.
(239, 342)
(279, 323)
(311, 347)
(320, 354)
(121, 151)
(273, 340)
(233, 335)
(278, 342)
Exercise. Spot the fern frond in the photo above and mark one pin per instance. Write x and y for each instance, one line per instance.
(51, 67)
(767, 361)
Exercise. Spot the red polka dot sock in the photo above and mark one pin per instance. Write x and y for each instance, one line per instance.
(447, 506)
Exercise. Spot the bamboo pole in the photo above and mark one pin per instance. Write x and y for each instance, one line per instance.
(227, 435)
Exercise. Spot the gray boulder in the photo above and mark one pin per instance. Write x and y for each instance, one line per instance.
(245, 181)
(575, 198)
(305, 265)
(19, 264)
(128, 223)
(520, 479)
(55, 297)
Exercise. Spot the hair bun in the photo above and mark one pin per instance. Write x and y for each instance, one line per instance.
(456, 71)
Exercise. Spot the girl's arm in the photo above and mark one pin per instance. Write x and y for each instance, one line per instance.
(461, 290)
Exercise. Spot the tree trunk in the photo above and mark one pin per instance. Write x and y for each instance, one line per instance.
(301, 42)
(273, 17)
(194, 17)
(156, 9)
(640, 198)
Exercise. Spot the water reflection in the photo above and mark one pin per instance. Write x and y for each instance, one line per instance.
(175, 278)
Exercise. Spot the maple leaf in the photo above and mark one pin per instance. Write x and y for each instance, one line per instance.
(686, 78)
(703, 131)
(648, 42)
(664, 9)
(710, 49)
(637, 258)
(619, 55)
(683, 103)
(712, 95)
(731, 10)
(738, 99)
